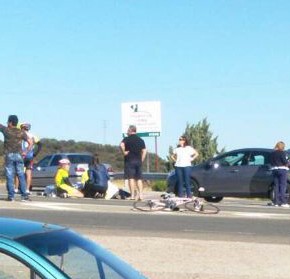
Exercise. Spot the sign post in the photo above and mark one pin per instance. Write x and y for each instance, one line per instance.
(146, 116)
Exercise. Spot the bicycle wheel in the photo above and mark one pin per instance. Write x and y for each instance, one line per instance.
(202, 208)
(149, 205)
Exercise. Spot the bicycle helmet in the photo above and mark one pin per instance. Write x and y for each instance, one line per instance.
(25, 126)
(64, 161)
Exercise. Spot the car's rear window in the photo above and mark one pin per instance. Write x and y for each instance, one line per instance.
(80, 159)
(55, 160)
(74, 159)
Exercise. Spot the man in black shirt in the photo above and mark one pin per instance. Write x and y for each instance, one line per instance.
(134, 151)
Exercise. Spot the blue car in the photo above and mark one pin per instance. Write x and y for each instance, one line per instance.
(33, 250)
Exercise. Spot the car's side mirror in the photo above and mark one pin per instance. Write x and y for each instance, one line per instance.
(211, 164)
(215, 165)
(208, 165)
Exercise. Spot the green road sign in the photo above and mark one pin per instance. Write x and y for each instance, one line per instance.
(149, 134)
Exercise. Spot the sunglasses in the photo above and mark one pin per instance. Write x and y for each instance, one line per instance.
(181, 139)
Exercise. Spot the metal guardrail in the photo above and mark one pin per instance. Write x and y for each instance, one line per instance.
(146, 175)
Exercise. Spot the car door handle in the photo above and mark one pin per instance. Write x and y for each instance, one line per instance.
(235, 170)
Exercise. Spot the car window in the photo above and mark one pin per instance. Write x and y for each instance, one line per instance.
(11, 268)
(232, 159)
(74, 255)
(55, 161)
(259, 159)
(44, 162)
(80, 159)
(76, 259)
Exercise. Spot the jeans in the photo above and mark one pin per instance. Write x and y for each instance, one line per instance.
(280, 184)
(183, 178)
(14, 165)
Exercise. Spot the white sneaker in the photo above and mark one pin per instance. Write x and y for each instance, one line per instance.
(286, 205)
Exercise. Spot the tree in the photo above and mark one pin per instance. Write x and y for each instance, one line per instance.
(201, 138)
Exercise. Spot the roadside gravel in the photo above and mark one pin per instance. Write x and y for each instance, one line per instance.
(200, 259)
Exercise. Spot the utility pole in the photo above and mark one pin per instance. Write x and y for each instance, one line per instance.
(148, 161)
(105, 131)
(156, 156)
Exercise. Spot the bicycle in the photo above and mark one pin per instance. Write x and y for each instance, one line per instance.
(173, 203)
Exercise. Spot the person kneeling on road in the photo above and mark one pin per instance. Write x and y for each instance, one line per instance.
(62, 182)
(95, 180)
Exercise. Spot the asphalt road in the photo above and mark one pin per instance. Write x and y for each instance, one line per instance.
(239, 220)
(247, 239)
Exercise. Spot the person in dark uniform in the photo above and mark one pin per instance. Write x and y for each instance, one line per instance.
(134, 151)
(279, 163)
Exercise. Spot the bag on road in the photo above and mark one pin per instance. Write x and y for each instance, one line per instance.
(112, 191)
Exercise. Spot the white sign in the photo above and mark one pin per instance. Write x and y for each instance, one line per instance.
(146, 116)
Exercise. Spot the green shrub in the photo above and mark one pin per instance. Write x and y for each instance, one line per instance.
(159, 185)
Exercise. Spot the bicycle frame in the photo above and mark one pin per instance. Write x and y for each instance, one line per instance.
(173, 203)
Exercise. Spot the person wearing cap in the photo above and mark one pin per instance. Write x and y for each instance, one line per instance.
(30, 155)
(134, 151)
(62, 182)
(14, 164)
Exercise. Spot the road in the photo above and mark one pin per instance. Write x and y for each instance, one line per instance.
(247, 239)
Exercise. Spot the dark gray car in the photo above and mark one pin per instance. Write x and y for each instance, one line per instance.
(238, 173)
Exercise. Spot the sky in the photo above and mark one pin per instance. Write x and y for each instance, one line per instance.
(66, 66)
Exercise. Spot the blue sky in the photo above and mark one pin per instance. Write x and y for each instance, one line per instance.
(66, 66)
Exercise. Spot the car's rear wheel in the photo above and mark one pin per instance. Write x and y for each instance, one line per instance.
(272, 194)
(213, 199)
(194, 187)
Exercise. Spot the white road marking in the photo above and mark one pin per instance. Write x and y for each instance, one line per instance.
(227, 232)
(260, 215)
(75, 207)
(52, 206)
(127, 209)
